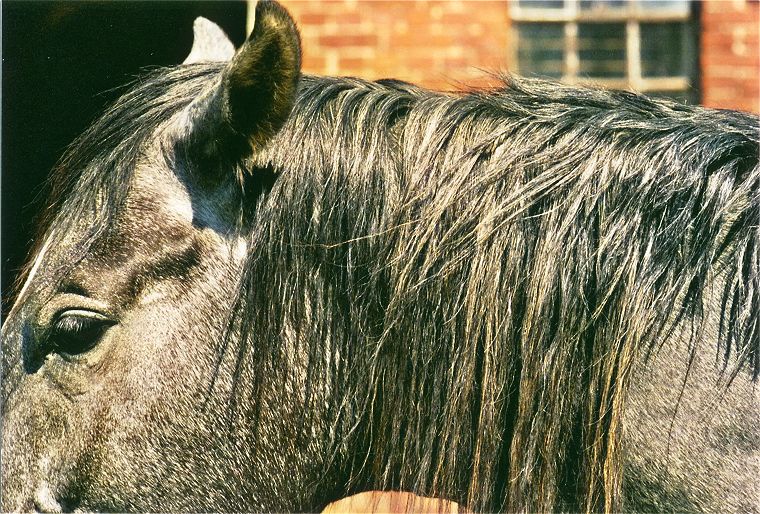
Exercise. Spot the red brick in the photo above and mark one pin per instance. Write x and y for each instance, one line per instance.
(348, 40)
(729, 58)
(711, 84)
(731, 16)
(312, 62)
(730, 67)
(347, 17)
(311, 18)
(353, 63)
(714, 40)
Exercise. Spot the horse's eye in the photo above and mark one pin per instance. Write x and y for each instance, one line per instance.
(78, 331)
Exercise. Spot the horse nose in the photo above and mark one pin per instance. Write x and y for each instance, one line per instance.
(44, 500)
(33, 432)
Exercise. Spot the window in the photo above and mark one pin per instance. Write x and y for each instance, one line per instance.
(645, 45)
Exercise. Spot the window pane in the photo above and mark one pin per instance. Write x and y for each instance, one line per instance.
(542, 4)
(602, 50)
(603, 5)
(663, 49)
(541, 48)
(658, 5)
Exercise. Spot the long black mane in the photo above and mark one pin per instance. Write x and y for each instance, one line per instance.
(480, 272)
(473, 276)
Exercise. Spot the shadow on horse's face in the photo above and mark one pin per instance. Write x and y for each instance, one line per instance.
(115, 393)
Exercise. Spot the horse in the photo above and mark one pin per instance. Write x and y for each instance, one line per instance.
(259, 290)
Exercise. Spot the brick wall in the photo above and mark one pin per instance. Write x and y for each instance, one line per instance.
(437, 44)
(730, 58)
(442, 44)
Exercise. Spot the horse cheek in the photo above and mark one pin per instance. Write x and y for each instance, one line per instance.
(160, 452)
(41, 443)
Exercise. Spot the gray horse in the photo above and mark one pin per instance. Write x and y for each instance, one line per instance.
(256, 290)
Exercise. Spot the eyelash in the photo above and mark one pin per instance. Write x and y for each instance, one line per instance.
(73, 334)
(71, 324)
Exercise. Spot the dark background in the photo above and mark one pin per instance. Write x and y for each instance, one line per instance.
(62, 63)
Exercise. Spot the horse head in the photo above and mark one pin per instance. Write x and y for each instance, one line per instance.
(114, 394)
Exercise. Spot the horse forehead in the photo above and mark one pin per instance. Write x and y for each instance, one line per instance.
(159, 192)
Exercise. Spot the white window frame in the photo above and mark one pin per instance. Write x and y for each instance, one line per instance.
(633, 15)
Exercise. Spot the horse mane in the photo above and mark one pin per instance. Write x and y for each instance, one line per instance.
(470, 277)
(477, 274)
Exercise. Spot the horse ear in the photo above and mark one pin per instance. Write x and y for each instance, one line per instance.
(263, 77)
(210, 43)
(255, 92)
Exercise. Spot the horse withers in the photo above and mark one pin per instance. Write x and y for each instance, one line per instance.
(257, 290)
